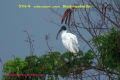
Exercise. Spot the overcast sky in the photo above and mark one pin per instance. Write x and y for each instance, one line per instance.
(14, 20)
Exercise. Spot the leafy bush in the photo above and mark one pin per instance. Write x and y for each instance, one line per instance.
(51, 64)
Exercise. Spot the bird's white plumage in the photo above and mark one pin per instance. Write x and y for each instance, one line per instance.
(70, 42)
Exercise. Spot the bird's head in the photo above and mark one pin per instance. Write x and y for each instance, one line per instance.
(63, 28)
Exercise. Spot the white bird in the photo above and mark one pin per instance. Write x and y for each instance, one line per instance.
(69, 40)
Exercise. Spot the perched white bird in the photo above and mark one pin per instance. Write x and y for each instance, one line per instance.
(69, 40)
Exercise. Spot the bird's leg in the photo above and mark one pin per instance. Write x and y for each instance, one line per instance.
(74, 56)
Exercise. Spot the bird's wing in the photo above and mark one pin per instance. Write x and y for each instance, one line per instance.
(73, 38)
(74, 42)
(74, 45)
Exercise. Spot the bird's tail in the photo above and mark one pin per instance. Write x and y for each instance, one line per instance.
(74, 54)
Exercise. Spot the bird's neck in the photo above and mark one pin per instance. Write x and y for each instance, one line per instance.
(64, 31)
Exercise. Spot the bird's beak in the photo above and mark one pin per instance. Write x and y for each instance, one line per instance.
(58, 33)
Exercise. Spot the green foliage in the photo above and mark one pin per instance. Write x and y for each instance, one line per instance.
(51, 64)
(14, 66)
(32, 66)
(109, 47)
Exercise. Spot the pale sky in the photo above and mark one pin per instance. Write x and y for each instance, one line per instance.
(14, 20)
